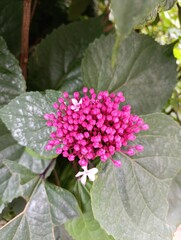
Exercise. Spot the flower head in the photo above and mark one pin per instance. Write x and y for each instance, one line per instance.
(87, 173)
(93, 126)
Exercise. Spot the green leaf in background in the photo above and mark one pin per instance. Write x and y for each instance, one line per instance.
(10, 182)
(82, 194)
(9, 148)
(12, 82)
(16, 181)
(128, 14)
(76, 8)
(56, 59)
(137, 205)
(145, 71)
(86, 227)
(174, 198)
(49, 206)
(167, 4)
(11, 22)
(27, 123)
(61, 233)
(35, 163)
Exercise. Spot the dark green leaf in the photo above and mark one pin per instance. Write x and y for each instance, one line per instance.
(16, 180)
(82, 194)
(27, 124)
(86, 227)
(48, 206)
(9, 148)
(61, 233)
(34, 163)
(25, 174)
(145, 71)
(76, 8)
(137, 205)
(128, 14)
(12, 82)
(11, 22)
(10, 182)
(56, 59)
(9, 186)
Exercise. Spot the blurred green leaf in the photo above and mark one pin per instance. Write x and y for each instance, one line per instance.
(11, 22)
(56, 60)
(128, 14)
(76, 8)
(137, 205)
(12, 82)
(145, 71)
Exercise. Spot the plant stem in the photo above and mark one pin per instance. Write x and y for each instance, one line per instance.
(57, 180)
(43, 174)
(25, 36)
(74, 164)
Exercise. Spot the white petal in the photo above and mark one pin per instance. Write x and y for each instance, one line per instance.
(73, 108)
(92, 177)
(93, 171)
(79, 174)
(80, 102)
(74, 101)
(83, 179)
(84, 168)
(76, 109)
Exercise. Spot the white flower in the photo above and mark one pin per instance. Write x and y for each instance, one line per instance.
(177, 234)
(76, 104)
(87, 173)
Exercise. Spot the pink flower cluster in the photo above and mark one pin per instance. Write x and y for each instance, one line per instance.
(93, 126)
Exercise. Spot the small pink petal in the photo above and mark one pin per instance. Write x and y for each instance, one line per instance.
(117, 163)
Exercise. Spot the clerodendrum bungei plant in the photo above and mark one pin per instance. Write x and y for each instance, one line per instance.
(86, 153)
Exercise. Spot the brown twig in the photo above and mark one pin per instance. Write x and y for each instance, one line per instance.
(25, 36)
